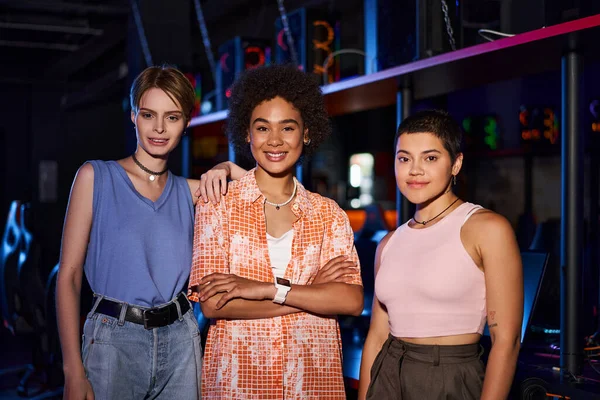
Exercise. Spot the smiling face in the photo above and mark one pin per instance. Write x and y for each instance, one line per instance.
(276, 136)
(159, 123)
(423, 167)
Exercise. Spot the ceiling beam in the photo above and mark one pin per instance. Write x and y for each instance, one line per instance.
(81, 30)
(92, 91)
(90, 52)
(62, 7)
(39, 45)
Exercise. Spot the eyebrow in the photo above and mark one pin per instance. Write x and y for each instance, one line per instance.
(283, 121)
(423, 152)
(168, 112)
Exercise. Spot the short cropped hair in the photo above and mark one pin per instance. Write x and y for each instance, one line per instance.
(436, 122)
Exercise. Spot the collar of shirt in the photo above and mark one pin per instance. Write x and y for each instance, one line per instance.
(251, 193)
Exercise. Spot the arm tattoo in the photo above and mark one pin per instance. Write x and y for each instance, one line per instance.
(495, 324)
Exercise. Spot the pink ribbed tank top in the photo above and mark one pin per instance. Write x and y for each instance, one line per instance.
(428, 282)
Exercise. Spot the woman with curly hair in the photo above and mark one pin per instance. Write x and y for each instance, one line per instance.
(273, 263)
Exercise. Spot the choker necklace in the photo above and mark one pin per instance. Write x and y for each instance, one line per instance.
(153, 174)
(278, 206)
(429, 220)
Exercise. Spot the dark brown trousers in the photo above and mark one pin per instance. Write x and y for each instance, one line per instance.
(405, 371)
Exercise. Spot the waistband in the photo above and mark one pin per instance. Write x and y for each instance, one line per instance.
(433, 354)
(154, 317)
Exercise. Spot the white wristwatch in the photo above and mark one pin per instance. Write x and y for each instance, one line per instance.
(283, 287)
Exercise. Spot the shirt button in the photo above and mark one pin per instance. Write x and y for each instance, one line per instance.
(295, 207)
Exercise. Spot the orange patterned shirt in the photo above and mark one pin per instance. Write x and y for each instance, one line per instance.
(296, 356)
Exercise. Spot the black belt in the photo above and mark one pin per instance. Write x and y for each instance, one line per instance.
(149, 317)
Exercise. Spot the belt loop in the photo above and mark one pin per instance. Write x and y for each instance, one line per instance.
(99, 298)
(401, 358)
(178, 306)
(436, 355)
(122, 314)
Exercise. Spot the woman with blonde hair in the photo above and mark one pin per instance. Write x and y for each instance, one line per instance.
(129, 227)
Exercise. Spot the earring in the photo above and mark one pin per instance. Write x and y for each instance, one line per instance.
(307, 141)
(454, 180)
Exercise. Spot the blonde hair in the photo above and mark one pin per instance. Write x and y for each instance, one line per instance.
(169, 79)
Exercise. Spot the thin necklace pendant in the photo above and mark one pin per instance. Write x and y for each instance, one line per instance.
(278, 206)
(152, 178)
(429, 220)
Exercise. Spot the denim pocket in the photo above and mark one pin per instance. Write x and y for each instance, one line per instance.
(87, 339)
(96, 329)
(192, 324)
(103, 327)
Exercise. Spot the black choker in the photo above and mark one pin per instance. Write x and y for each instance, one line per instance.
(153, 174)
(429, 220)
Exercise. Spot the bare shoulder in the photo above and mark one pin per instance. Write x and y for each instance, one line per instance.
(81, 196)
(486, 224)
(193, 185)
(85, 174)
(493, 238)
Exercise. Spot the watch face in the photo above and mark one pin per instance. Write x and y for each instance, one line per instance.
(284, 282)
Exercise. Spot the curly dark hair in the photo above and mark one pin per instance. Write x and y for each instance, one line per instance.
(265, 83)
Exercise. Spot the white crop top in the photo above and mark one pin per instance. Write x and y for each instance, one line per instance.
(280, 252)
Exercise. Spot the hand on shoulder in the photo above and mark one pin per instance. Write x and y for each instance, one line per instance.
(213, 183)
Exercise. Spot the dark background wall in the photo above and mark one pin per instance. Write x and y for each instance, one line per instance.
(36, 128)
(71, 106)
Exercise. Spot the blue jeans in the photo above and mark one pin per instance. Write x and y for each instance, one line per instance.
(123, 360)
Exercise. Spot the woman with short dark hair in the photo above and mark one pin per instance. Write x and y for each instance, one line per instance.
(439, 277)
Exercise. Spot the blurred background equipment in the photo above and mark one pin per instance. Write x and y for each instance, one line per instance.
(511, 72)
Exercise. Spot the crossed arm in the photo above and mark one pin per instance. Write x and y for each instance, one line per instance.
(231, 296)
(335, 290)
